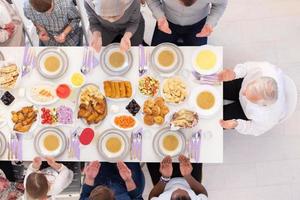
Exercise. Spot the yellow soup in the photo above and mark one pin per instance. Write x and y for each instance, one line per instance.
(117, 59)
(206, 60)
(52, 64)
(51, 142)
(113, 145)
(77, 79)
(205, 100)
(166, 58)
(170, 143)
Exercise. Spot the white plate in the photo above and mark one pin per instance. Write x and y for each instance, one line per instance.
(123, 129)
(118, 79)
(66, 103)
(18, 80)
(28, 94)
(217, 66)
(18, 106)
(78, 104)
(206, 113)
(104, 56)
(153, 76)
(39, 139)
(172, 103)
(157, 142)
(177, 65)
(113, 157)
(52, 51)
(3, 144)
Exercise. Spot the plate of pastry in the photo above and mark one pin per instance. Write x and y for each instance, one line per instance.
(166, 59)
(174, 90)
(115, 62)
(155, 111)
(10, 75)
(169, 143)
(118, 89)
(113, 145)
(50, 142)
(52, 63)
(92, 106)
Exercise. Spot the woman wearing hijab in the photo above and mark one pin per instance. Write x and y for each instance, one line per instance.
(11, 27)
(115, 21)
(188, 21)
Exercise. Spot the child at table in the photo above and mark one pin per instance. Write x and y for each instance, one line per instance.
(57, 21)
(42, 184)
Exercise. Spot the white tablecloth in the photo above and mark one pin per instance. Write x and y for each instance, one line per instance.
(211, 146)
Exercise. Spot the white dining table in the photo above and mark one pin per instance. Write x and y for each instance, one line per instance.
(211, 142)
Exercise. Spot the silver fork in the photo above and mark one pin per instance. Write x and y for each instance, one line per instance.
(206, 79)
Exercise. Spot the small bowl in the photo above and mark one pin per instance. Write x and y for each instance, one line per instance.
(120, 128)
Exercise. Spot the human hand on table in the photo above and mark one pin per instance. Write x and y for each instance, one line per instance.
(166, 167)
(61, 38)
(37, 162)
(125, 42)
(124, 171)
(91, 171)
(185, 166)
(163, 25)
(96, 41)
(228, 124)
(206, 31)
(226, 75)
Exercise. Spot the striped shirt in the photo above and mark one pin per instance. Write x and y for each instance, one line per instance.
(64, 13)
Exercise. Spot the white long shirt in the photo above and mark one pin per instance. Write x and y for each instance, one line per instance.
(179, 183)
(261, 118)
(59, 180)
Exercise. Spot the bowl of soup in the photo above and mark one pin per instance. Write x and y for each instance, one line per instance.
(116, 60)
(52, 63)
(166, 59)
(113, 145)
(206, 60)
(50, 141)
(169, 143)
(206, 100)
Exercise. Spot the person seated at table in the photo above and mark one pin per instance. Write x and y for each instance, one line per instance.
(257, 89)
(48, 182)
(9, 189)
(109, 181)
(11, 27)
(177, 181)
(185, 22)
(115, 21)
(57, 22)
